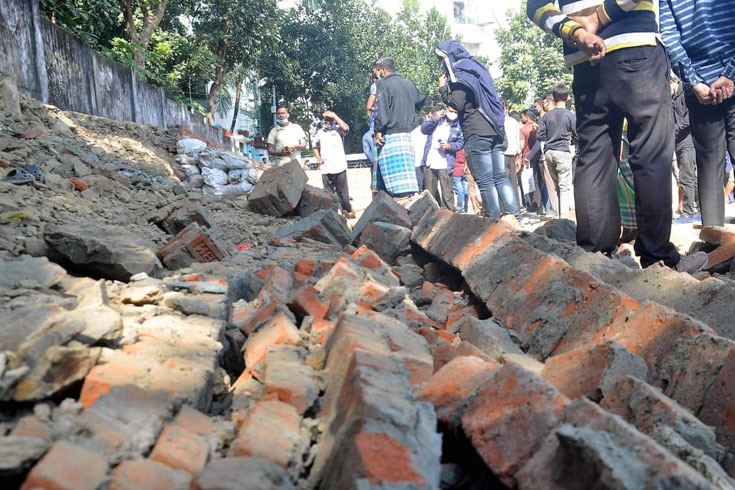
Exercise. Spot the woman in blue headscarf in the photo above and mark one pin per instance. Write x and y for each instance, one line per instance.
(468, 87)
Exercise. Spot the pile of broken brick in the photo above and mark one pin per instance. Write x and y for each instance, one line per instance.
(417, 349)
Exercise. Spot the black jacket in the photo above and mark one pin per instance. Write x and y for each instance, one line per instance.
(398, 102)
(681, 122)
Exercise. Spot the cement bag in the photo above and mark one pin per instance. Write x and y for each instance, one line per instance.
(235, 190)
(212, 190)
(254, 175)
(214, 177)
(190, 145)
(195, 181)
(235, 162)
(238, 175)
(211, 158)
(190, 170)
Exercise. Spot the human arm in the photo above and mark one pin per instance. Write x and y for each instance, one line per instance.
(318, 156)
(457, 144)
(678, 55)
(573, 129)
(541, 132)
(428, 126)
(340, 123)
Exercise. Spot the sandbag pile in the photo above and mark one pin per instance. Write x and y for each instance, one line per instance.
(216, 172)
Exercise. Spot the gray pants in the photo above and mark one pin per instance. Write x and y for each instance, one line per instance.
(559, 164)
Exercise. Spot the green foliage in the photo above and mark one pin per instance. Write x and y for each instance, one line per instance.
(93, 21)
(531, 60)
(322, 59)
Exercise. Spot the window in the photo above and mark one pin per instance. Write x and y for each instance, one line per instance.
(465, 12)
(459, 17)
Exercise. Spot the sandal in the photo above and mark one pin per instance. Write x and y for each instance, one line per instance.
(19, 176)
(34, 171)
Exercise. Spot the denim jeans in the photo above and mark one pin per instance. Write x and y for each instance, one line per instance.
(486, 161)
(462, 190)
(368, 145)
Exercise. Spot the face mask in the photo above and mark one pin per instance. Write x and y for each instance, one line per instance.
(282, 121)
(328, 127)
(535, 112)
(379, 75)
(452, 116)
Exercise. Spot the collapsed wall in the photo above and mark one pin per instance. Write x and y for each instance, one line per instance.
(415, 349)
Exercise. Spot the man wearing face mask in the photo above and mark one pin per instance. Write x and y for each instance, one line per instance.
(285, 140)
(330, 156)
(399, 100)
(444, 141)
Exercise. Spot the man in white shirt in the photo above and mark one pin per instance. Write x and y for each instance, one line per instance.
(329, 151)
(513, 151)
(285, 140)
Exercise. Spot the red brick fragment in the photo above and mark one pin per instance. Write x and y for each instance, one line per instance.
(386, 460)
(144, 474)
(32, 426)
(67, 467)
(721, 254)
(717, 235)
(280, 330)
(307, 302)
(182, 449)
(270, 430)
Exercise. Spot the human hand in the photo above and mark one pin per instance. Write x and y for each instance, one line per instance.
(591, 44)
(439, 114)
(702, 91)
(445, 146)
(721, 90)
(535, 126)
(329, 114)
(379, 140)
(442, 81)
(590, 23)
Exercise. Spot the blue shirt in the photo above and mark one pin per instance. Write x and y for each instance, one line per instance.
(700, 38)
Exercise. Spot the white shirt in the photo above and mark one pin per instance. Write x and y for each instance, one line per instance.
(513, 130)
(332, 151)
(437, 158)
(418, 139)
(282, 136)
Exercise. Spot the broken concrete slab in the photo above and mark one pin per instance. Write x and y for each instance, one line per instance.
(424, 203)
(382, 208)
(279, 190)
(324, 226)
(386, 239)
(315, 199)
(29, 272)
(101, 250)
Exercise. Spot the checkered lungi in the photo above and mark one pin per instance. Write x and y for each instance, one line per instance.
(396, 164)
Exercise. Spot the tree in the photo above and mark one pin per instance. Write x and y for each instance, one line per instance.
(235, 31)
(151, 13)
(532, 61)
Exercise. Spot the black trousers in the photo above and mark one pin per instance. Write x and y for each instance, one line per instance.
(686, 160)
(434, 178)
(338, 184)
(713, 131)
(420, 177)
(628, 83)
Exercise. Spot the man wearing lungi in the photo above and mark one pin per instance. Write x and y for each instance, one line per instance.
(394, 121)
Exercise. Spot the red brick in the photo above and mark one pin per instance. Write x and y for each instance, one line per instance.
(718, 409)
(385, 460)
(144, 474)
(194, 421)
(189, 246)
(181, 449)
(441, 344)
(368, 259)
(647, 408)
(509, 417)
(717, 235)
(271, 430)
(289, 379)
(307, 302)
(456, 317)
(601, 451)
(103, 378)
(721, 254)
(67, 467)
(306, 267)
(450, 387)
(592, 371)
(321, 330)
(279, 330)
(78, 184)
(32, 426)
(694, 369)
(441, 304)
(31, 133)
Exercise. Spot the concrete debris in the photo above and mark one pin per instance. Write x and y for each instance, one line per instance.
(279, 190)
(324, 226)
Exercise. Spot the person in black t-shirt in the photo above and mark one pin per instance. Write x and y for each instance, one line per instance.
(557, 129)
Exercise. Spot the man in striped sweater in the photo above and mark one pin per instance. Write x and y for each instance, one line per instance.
(700, 40)
(620, 71)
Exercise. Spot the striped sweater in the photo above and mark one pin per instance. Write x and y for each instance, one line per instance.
(700, 38)
(625, 23)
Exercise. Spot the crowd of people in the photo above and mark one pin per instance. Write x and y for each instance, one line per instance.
(652, 94)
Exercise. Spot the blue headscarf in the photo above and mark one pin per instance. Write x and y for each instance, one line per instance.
(464, 69)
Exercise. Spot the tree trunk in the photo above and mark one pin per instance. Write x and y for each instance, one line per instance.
(212, 97)
(151, 21)
(238, 93)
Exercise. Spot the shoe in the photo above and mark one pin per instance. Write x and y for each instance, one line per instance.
(691, 263)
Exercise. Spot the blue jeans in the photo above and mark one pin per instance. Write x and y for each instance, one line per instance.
(487, 163)
(368, 145)
(461, 188)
